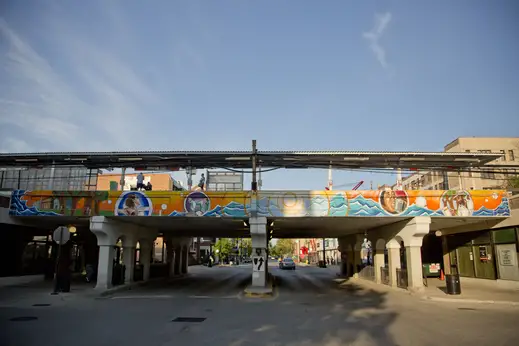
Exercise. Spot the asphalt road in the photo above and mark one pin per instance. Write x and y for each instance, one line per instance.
(309, 308)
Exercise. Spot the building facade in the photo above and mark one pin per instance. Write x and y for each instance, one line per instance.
(159, 181)
(485, 180)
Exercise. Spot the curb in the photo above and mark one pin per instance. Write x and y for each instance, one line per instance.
(470, 301)
(128, 287)
(424, 296)
(271, 283)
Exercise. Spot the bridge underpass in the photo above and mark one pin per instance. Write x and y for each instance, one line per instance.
(384, 232)
(390, 219)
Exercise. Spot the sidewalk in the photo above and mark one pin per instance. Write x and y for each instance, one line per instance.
(472, 292)
(475, 293)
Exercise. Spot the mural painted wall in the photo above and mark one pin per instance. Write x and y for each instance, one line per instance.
(268, 203)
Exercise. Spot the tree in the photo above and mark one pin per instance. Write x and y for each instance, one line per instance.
(284, 247)
(512, 183)
(246, 247)
(224, 247)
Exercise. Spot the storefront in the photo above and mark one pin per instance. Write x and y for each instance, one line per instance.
(490, 254)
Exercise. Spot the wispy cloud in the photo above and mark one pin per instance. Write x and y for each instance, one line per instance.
(72, 90)
(49, 111)
(373, 37)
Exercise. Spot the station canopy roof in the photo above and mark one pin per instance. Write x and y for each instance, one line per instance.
(175, 160)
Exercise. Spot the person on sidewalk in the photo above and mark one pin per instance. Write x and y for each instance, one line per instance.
(140, 182)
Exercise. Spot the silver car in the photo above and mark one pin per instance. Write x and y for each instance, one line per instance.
(287, 263)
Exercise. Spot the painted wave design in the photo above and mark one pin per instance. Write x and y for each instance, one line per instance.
(19, 207)
(415, 210)
(177, 213)
(483, 211)
(360, 206)
(234, 209)
(338, 205)
(265, 207)
(503, 208)
(318, 206)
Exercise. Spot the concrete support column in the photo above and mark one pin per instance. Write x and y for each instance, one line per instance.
(145, 254)
(129, 263)
(185, 259)
(357, 253)
(414, 268)
(344, 249)
(170, 257)
(259, 237)
(107, 233)
(446, 256)
(178, 260)
(105, 267)
(413, 238)
(378, 262)
(393, 249)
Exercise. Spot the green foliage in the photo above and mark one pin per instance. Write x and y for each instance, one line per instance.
(283, 248)
(513, 183)
(246, 247)
(224, 247)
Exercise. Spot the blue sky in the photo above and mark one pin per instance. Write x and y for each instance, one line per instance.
(304, 75)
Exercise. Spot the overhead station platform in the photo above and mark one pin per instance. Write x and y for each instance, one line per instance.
(174, 160)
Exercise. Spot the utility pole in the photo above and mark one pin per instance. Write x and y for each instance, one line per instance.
(324, 252)
(254, 184)
(330, 181)
(399, 179)
(189, 173)
(122, 182)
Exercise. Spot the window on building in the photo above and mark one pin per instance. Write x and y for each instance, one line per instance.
(487, 174)
(503, 156)
(511, 156)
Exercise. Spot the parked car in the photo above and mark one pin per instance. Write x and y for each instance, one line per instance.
(287, 263)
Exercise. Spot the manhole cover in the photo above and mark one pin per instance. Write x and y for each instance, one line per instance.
(40, 304)
(189, 319)
(23, 318)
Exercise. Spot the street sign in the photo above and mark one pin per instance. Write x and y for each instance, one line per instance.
(61, 235)
(258, 263)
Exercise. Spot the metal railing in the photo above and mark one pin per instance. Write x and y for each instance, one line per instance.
(401, 278)
(384, 275)
(367, 273)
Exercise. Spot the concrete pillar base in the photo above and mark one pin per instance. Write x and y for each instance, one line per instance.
(259, 239)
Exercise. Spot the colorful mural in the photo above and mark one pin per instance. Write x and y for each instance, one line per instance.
(267, 203)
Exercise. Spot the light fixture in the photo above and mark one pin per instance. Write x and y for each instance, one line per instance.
(238, 158)
(353, 158)
(272, 224)
(412, 159)
(26, 160)
(130, 159)
(245, 224)
(72, 229)
(78, 159)
(468, 159)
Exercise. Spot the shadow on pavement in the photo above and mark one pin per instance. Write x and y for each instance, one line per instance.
(356, 317)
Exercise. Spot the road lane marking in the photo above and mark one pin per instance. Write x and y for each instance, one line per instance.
(143, 297)
(213, 297)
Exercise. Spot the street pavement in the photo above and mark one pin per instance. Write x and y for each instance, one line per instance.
(308, 308)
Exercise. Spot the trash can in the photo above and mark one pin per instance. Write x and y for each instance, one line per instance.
(453, 283)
